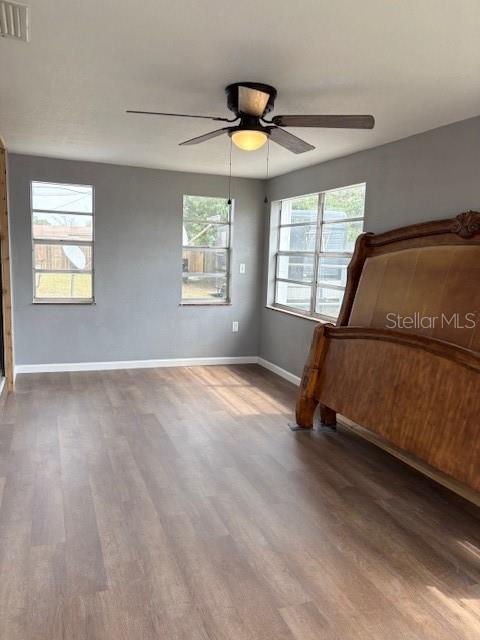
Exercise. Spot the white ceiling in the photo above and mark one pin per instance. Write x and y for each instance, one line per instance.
(414, 64)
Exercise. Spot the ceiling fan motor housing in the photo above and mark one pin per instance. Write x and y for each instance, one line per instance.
(252, 123)
(232, 95)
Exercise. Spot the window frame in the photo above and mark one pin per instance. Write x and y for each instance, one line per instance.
(221, 302)
(316, 253)
(56, 241)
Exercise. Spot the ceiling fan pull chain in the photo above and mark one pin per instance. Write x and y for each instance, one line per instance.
(229, 201)
(265, 200)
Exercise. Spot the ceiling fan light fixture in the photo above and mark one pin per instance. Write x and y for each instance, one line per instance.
(250, 102)
(249, 139)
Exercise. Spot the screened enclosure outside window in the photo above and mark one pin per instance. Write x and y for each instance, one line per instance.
(316, 239)
(62, 239)
(206, 250)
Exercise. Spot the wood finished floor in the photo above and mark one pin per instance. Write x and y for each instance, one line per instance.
(176, 504)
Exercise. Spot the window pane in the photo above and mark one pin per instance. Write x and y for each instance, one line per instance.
(201, 261)
(62, 197)
(63, 285)
(62, 226)
(199, 287)
(328, 301)
(201, 208)
(303, 209)
(62, 256)
(205, 235)
(340, 236)
(295, 268)
(298, 238)
(297, 296)
(333, 270)
(345, 203)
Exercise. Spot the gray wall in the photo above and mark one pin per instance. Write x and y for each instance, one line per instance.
(139, 213)
(432, 175)
(138, 233)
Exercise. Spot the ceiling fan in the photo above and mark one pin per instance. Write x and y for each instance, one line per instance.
(250, 102)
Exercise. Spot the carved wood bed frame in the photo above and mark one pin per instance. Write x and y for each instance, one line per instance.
(403, 360)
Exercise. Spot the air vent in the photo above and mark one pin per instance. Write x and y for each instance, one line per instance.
(13, 20)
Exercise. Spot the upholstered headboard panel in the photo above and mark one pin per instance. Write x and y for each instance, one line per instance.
(430, 290)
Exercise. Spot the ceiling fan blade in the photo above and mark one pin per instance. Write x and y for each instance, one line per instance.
(252, 101)
(328, 122)
(206, 136)
(180, 115)
(289, 141)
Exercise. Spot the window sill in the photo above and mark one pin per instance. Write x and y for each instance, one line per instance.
(205, 304)
(65, 302)
(300, 315)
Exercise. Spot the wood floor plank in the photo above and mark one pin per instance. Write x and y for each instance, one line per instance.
(83, 552)
(48, 525)
(267, 564)
(307, 623)
(175, 503)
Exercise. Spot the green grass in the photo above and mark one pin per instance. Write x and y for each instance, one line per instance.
(198, 291)
(63, 285)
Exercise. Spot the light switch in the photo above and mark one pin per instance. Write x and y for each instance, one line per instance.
(242, 267)
(235, 326)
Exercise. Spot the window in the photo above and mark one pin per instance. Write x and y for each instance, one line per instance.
(62, 237)
(315, 242)
(206, 250)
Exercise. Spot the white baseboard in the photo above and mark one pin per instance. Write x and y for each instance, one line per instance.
(132, 364)
(152, 364)
(283, 373)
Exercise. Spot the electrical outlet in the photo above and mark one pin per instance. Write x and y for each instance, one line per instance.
(242, 267)
(235, 326)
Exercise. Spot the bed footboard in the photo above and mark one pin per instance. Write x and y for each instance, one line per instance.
(419, 393)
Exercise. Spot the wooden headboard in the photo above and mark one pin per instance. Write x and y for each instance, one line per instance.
(428, 272)
(403, 360)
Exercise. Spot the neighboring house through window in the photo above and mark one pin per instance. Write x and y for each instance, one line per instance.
(206, 250)
(62, 238)
(315, 238)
